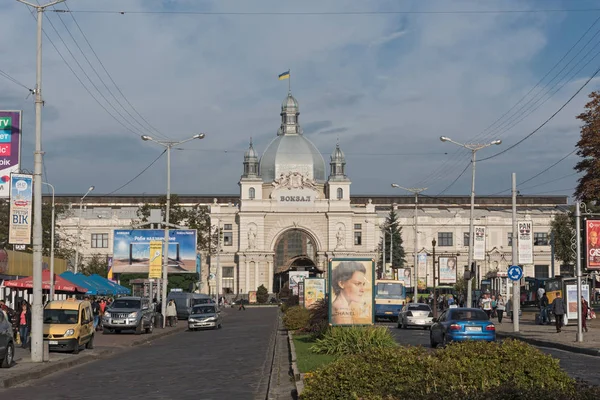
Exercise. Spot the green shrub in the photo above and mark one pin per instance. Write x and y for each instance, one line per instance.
(319, 318)
(339, 340)
(473, 371)
(296, 318)
(262, 294)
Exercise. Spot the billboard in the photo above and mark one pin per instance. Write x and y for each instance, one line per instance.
(295, 277)
(131, 250)
(447, 270)
(404, 276)
(10, 148)
(21, 199)
(525, 232)
(314, 290)
(592, 244)
(351, 293)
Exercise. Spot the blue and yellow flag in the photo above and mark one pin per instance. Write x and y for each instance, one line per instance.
(285, 75)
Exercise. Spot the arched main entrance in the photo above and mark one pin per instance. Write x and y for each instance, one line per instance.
(295, 250)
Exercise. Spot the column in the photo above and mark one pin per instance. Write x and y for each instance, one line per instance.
(256, 275)
(247, 282)
(270, 277)
(235, 274)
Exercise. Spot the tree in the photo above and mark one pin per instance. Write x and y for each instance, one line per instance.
(398, 253)
(262, 294)
(97, 264)
(562, 228)
(588, 188)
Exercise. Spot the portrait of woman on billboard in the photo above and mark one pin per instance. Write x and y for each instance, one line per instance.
(351, 292)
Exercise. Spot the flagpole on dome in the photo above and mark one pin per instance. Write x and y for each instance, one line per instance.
(289, 81)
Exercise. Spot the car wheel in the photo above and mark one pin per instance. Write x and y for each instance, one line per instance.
(90, 344)
(138, 329)
(105, 331)
(445, 341)
(8, 356)
(432, 342)
(151, 327)
(76, 348)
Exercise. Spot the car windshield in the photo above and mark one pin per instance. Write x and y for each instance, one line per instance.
(126, 304)
(60, 316)
(419, 307)
(203, 310)
(467, 315)
(390, 290)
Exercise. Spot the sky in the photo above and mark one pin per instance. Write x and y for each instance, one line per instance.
(385, 78)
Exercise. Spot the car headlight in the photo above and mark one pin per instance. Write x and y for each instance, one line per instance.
(132, 315)
(69, 332)
(107, 314)
(211, 319)
(192, 320)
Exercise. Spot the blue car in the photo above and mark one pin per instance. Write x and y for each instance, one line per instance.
(461, 324)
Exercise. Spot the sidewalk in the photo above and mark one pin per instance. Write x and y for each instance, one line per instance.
(546, 336)
(104, 345)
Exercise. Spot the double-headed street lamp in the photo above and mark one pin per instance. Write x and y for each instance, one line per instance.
(165, 270)
(416, 191)
(51, 245)
(79, 226)
(473, 147)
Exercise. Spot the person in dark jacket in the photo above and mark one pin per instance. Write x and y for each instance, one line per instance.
(558, 308)
(544, 310)
(585, 309)
(24, 320)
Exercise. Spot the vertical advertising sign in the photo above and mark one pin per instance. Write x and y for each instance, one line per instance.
(447, 270)
(572, 299)
(404, 276)
(109, 265)
(525, 242)
(351, 293)
(155, 270)
(479, 245)
(20, 209)
(301, 293)
(422, 261)
(592, 244)
(314, 290)
(10, 148)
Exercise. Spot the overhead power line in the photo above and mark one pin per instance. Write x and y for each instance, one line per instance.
(138, 175)
(13, 80)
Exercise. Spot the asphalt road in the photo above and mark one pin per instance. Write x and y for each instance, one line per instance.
(577, 365)
(230, 363)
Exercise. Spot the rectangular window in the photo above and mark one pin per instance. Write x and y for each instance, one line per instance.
(445, 239)
(509, 239)
(540, 239)
(227, 272)
(357, 227)
(466, 239)
(541, 271)
(227, 238)
(100, 240)
(357, 238)
(227, 227)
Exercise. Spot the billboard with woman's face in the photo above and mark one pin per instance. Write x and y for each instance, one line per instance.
(351, 291)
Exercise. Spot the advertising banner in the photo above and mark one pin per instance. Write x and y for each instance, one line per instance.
(156, 258)
(572, 299)
(295, 277)
(10, 149)
(404, 276)
(422, 261)
(479, 245)
(21, 199)
(131, 250)
(314, 290)
(351, 293)
(592, 244)
(301, 293)
(525, 242)
(252, 297)
(109, 266)
(447, 270)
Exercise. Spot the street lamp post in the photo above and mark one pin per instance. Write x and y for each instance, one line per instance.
(167, 144)
(435, 309)
(79, 226)
(416, 191)
(51, 246)
(473, 147)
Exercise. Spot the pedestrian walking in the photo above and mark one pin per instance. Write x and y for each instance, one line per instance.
(494, 305)
(24, 324)
(540, 293)
(544, 310)
(500, 307)
(585, 309)
(486, 304)
(242, 305)
(171, 313)
(558, 308)
(96, 312)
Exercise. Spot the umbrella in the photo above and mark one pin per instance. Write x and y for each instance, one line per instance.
(60, 284)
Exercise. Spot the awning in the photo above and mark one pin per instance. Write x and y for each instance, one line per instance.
(60, 284)
(101, 282)
(117, 289)
(93, 288)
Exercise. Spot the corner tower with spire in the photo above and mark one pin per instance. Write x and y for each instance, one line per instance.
(251, 182)
(338, 184)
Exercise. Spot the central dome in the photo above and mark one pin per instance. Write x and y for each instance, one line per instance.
(290, 151)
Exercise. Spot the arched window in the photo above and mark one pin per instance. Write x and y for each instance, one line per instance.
(340, 193)
(251, 193)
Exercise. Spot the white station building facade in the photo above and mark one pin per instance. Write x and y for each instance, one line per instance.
(295, 211)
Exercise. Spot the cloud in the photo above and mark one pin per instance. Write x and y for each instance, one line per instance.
(388, 99)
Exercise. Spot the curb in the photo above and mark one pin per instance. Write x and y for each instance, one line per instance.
(548, 344)
(52, 367)
(298, 377)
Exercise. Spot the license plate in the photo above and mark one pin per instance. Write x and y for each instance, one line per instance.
(473, 329)
(53, 342)
(389, 312)
(118, 321)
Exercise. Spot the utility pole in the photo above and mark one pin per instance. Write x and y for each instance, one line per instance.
(37, 312)
(578, 239)
(51, 246)
(433, 243)
(219, 262)
(391, 248)
(516, 299)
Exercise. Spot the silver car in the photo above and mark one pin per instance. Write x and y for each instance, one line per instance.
(204, 316)
(415, 315)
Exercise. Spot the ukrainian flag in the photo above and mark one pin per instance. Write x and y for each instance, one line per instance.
(285, 75)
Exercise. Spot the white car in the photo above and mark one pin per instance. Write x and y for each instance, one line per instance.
(418, 314)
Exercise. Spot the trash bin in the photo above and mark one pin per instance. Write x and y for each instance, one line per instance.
(158, 321)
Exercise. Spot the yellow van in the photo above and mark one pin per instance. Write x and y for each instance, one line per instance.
(68, 325)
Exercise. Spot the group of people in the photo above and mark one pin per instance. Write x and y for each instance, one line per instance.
(20, 319)
(99, 305)
(493, 306)
(559, 309)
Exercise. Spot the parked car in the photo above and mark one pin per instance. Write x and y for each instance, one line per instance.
(461, 324)
(204, 316)
(186, 301)
(69, 325)
(418, 314)
(7, 342)
(126, 313)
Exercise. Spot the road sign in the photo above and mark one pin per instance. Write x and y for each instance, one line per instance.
(515, 272)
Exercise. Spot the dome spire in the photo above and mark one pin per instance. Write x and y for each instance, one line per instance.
(289, 117)
(338, 163)
(250, 162)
